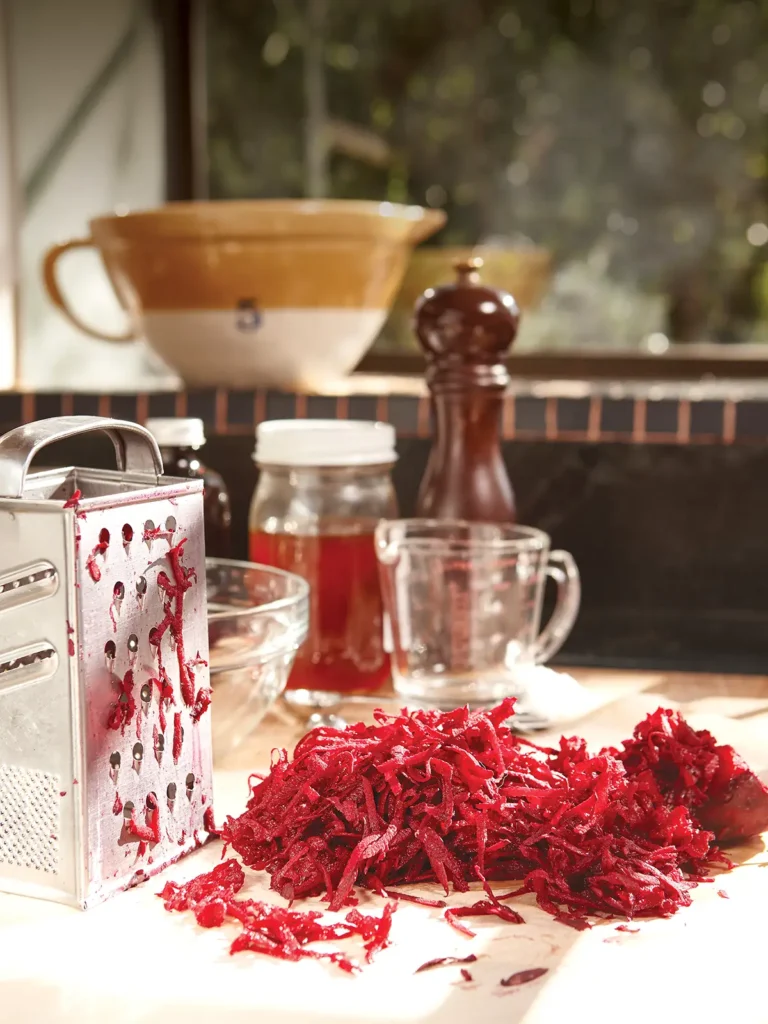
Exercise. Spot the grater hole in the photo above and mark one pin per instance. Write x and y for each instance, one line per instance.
(151, 801)
(138, 751)
(119, 591)
(104, 536)
(146, 693)
(190, 782)
(133, 643)
(171, 791)
(128, 809)
(110, 649)
(127, 533)
(170, 524)
(114, 759)
(149, 528)
(153, 635)
(141, 586)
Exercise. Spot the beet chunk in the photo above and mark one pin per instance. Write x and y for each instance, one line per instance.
(722, 793)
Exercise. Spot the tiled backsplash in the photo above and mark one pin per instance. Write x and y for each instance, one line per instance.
(714, 413)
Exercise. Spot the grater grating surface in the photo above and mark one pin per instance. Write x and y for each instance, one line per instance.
(137, 744)
(29, 818)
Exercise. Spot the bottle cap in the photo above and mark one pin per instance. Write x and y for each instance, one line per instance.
(324, 443)
(175, 433)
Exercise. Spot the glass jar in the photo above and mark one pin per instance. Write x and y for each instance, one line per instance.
(180, 441)
(323, 487)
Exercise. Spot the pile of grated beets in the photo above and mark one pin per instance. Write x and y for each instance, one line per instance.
(456, 797)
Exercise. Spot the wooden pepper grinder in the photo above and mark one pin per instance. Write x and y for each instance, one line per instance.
(465, 330)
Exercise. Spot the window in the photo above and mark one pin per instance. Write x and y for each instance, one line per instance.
(610, 156)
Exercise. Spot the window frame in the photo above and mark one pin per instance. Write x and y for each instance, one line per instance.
(9, 233)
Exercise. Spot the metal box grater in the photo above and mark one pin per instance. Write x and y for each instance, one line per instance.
(105, 741)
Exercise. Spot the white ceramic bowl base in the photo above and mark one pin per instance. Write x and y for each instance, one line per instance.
(281, 348)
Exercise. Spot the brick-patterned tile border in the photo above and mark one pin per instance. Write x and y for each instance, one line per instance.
(570, 411)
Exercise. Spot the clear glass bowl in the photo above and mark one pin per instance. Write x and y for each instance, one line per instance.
(257, 619)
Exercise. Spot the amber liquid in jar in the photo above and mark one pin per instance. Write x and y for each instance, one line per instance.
(344, 648)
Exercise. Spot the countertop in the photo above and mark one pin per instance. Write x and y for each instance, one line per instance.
(129, 962)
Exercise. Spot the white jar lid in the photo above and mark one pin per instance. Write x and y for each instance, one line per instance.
(324, 443)
(177, 433)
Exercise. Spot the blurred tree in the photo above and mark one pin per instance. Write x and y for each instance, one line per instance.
(634, 127)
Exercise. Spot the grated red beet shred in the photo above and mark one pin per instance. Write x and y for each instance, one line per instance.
(149, 830)
(523, 977)
(175, 587)
(100, 549)
(178, 737)
(466, 975)
(455, 796)
(446, 961)
(275, 931)
(208, 822)
(124, 708)
(165, 689)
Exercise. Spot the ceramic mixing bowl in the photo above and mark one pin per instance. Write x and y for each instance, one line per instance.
(245, 293)
(525, 272)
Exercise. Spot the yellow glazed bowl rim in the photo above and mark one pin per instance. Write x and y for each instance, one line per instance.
(274, 219)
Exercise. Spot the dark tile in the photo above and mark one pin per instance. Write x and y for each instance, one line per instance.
(661, 417)
(124, 407)
(573, 414)
(321, 407)
(240, 408)
(706, 418)
(85, 405)
(202, 405)
(617, 415)
(280, 406)
(162, 405)
(10, 410)
(47, 404)
(530, 414)
(362, 407)
(752, 419)
(404, 413)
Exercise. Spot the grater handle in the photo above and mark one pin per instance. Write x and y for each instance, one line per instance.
(135, 448)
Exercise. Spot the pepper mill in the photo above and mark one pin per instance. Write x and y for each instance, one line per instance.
(465, 330)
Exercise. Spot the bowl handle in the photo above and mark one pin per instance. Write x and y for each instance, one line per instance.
(56, 295)
(429, 222)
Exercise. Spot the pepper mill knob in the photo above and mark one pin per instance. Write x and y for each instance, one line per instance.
(466, 323)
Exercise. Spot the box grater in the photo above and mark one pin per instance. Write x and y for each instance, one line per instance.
(105, 742)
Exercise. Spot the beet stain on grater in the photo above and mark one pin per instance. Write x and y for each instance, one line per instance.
(105, 740)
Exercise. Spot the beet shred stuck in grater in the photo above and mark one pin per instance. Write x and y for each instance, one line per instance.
(105, 740)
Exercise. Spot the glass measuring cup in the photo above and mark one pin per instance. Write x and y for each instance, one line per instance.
(464, 602)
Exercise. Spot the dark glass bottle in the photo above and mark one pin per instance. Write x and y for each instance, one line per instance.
(180, 441)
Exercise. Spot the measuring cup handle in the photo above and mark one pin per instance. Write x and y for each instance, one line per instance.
(562, 568)
(135, 448)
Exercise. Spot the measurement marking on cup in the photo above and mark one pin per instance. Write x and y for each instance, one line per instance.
(460, 604)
